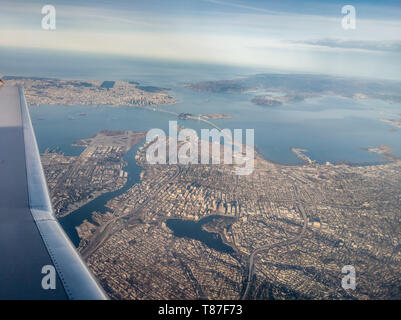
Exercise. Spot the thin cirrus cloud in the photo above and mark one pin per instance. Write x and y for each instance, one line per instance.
(217, 31)
(390, 46)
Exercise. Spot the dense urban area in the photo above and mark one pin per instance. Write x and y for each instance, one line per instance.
(43, 91)
(285, 231)
(73, 181)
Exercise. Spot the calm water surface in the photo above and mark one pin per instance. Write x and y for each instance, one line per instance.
(331, 128)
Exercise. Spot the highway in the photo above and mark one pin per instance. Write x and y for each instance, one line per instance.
(198, 118)
(103, 232)
(265, 248)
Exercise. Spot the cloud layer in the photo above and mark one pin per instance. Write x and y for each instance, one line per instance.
(217, 31)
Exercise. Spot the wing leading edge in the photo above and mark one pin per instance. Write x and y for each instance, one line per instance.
(32, 243)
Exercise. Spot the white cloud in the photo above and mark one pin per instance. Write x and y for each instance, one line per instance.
(255, 37)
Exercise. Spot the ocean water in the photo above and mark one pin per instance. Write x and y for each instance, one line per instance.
(331, 128)
(334, 134)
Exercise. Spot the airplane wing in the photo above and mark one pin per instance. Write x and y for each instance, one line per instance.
(37, 259)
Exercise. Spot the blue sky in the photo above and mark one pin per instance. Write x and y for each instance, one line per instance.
(289, 35)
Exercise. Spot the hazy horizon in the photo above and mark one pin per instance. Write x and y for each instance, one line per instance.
(286, 36)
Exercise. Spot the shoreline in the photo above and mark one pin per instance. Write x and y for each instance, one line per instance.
(157, 108)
